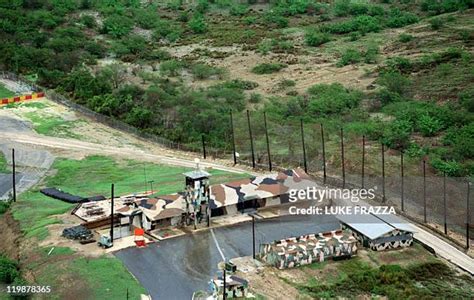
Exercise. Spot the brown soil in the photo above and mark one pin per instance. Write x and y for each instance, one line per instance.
(10, 236)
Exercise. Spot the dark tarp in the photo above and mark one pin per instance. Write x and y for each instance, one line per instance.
(60, 195)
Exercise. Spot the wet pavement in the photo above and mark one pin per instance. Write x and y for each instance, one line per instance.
(175, 268)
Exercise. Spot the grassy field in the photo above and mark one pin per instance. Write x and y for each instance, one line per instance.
(53, 126)
(97, 278)
(3, 163)
(4, 93)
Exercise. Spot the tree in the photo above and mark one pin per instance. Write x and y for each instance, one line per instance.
(116, 73)
(117, 25)
(197, 24)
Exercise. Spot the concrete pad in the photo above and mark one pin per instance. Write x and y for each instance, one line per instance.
(125, 242)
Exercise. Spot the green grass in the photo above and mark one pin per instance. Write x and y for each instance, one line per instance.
(53, 126)
(3, 163)
(4, 93)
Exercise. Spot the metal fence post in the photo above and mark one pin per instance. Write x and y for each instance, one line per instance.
(14, 175)
(383, 173)
(251, 139)
(324, 153)
(363, 160)
(424, 190)
(402, 183)
(342, 160)
(203, 146)
(468, 213)
(268, 142)
(304, 148)
(444, 204)
(112, 214)
(233, 138)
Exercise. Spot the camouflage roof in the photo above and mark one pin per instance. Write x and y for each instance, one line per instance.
(312, 241)
(260, 187)
(163, 207)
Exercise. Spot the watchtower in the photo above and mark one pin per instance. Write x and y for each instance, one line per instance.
(197, 196)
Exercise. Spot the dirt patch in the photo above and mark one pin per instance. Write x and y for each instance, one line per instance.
(10, 236)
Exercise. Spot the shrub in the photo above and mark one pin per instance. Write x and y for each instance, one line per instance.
(8, 270)
(436, 23)
(264, 47)
(331, 99)
(255, 98)
(405, 38)
(88, 21)
(395, 82)
(371, 54)
(466, 99)
(268, 68)
(171, 67)
(198, 24)
(428, 125)
(399, 64)
(397, 134)
(316, 38)
(277, 19)
(238, 10)
(398, 18)
(166, 30)
(203, 71)
(4, 205)
(117, 25)
(250, 20)
(363, 24)
(449, 167)
(350, 56)
(240, 84)
(462, 141)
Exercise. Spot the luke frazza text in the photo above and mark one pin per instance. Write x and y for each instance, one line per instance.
(342, 210)
(319, 194)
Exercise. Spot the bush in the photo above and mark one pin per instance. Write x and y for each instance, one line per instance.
(350, 56)
(371, 54)
(268, 68)
(462, 141)
(8, 270)
(363, 24)
(4, 205)
(197, 24)
(203, 71)
(88, 21)
(397, 134)
(395, 82)
(255, 98)
(316, 38)
(436, 23)
(451, 168)
(399, 64)
(428, 125)
(277, 19)
(171, 67)
(117, 25)
(238, 10)
(405, 38)
(331, 99)
(466, 99)
(398, 18)
(240, 84)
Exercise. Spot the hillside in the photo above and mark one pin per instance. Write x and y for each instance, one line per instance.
(398, 72)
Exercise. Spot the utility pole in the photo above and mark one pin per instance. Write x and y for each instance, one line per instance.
(324, 153)
(14, 175)
(144, 174)
(151, 185)
(224, 294)
(268, 142)
(233, 137)
(112, 214)
(304, 148)
(251, 139)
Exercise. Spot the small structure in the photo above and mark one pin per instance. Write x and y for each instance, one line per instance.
(235, 287)
(378, 232)
(307, 249)
(197, 196)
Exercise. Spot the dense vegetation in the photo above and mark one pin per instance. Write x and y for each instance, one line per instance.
(67, 46)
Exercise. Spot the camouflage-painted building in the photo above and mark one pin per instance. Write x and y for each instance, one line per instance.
(307, 249)
(378, 232)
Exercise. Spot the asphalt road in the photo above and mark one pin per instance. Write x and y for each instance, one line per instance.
(175, 268)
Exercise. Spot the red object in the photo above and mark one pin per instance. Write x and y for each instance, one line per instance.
(40, 94)
(5, 101)
(140, 243)
(28, 97)
(16, 99)
(139, 231)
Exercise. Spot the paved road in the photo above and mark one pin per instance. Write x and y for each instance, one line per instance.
(175, 268)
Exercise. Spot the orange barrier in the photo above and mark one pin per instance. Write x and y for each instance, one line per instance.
(21, 98)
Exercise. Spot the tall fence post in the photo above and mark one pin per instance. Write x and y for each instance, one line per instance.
(363, 160)
(253, 236)
(324, 153)
(402, 183)
(444, 204)
(424, 190)
(268, 142)
(233, 138)
(251, 139)
(203, 146)
(468, 213)
(342, 160)
(112, 213)
(304, 148)
(383, 172)
(14, 175)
